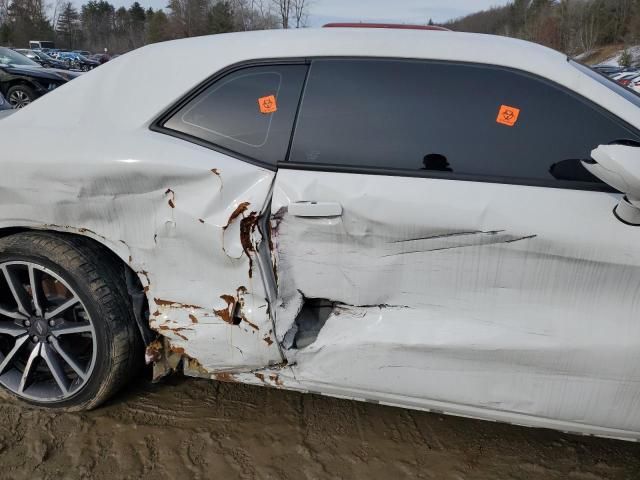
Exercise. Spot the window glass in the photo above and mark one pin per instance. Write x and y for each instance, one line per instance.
(250, 112)
(442, 117)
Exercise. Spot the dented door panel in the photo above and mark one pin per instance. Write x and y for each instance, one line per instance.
(511, 299)
(183, 217)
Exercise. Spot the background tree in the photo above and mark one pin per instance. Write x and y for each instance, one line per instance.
(220, 18)
(625, 59)
(300, 12)
(68, 31)
(98, 22)
(188, 18)
(291, 13)
(157, 27)
(283, 11)
(137, 21)
(26, 20)
(253, 15)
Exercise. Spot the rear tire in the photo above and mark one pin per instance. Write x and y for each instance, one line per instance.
(61, 268)
(19, 96)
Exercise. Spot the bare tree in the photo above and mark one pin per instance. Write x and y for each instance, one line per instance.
(300, 13)
(589, 31)
(291, 13)
(58, 5)
(283, 10)
(254, 15)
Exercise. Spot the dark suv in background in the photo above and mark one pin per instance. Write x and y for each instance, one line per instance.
(23, 80)
(42, 58)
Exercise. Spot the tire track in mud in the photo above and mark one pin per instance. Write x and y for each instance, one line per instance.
(198, 429)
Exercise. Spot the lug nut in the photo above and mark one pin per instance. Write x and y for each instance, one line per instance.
(34, 339)
(52, 323)
(50, 339)
(27, 323)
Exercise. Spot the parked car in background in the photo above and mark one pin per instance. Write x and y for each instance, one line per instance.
(22, 80)
(608, 70)
(42, 58)
(625, 79)
(633, 84)
(84, 53)
(5, 107)
(4, 104)
(623, 75)
(77, 62)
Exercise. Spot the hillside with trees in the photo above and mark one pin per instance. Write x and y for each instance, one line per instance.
(98, 24)
(575, 27)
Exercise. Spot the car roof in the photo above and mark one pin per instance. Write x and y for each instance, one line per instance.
(150, 91)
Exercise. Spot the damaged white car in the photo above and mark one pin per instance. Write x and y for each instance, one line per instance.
(434, 220)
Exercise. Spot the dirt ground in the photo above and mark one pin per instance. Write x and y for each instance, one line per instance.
(187, 428)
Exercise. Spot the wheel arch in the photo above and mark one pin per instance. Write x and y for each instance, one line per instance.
(22, 81)
(114, 255)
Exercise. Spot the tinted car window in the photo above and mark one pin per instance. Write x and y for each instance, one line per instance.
(442, 117)
(250, 112)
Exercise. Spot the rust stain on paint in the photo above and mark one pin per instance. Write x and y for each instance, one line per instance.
(172, 200)
(170, 303)
(226, 314)
(240, 209)
(225, 377)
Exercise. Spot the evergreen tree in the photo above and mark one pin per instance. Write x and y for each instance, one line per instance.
(157, 27)
(68, 27)
(221, 18)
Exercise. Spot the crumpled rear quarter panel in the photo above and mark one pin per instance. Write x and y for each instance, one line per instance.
(166, 207)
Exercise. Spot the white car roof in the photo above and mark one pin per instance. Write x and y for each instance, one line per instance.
(132, 90)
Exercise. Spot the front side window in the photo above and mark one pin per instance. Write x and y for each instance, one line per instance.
(249, 112)
(455, 119)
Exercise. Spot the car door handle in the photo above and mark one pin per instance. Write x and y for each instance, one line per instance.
(315, 209)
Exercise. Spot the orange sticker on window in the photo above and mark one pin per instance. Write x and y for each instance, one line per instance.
(268, 104)
(508, 115)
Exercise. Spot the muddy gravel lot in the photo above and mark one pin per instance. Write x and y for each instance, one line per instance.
(184, 428)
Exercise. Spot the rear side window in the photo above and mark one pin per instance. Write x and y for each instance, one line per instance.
(249, 112)
(470, 120)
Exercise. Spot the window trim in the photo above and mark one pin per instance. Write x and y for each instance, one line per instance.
(157, 124)
(460, 177)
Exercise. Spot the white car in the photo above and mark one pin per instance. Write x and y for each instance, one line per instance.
(624, 75)
(634, 84)
(434, 220)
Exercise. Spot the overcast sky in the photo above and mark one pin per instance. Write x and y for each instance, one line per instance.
(398, 11)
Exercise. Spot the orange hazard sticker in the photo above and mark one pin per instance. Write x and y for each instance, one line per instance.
(508, 115)
(268, 104)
